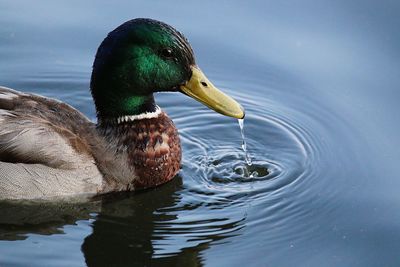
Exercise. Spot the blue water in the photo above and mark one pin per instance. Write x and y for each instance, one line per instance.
(320, 84)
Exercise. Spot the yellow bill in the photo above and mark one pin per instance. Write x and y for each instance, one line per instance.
(201, 89)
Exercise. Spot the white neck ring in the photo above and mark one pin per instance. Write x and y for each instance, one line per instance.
(142, 116)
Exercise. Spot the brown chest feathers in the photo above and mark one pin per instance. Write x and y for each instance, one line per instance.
(151, 147)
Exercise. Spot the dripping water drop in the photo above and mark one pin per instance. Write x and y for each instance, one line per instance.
(244, 145)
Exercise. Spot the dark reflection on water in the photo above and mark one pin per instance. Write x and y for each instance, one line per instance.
(132, 229)
(319, 81)
(18, 219)
(125, 230)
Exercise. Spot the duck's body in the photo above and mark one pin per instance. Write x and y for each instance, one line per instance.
(49, 149)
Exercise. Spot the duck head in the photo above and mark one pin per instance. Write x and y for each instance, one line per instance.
(144, 56)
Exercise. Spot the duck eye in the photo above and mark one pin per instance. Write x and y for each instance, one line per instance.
(167, 52)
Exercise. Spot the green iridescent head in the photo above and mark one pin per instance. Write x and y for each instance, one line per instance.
(138, 58)
(143, 56)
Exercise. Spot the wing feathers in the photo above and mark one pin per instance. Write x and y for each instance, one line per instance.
(35, 129)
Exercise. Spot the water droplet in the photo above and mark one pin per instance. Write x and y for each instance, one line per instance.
(244, 145)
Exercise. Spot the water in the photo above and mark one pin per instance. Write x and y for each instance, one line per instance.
(244, 145)
(319, 82)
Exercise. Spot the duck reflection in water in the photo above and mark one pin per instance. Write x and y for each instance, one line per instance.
(123, 233)
(128, 230)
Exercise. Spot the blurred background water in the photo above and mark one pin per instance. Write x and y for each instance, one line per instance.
(320, 83)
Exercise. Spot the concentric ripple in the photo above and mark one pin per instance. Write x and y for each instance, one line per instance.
(220, 188)
(217, 164)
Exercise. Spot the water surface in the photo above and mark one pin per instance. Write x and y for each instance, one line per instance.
(319, 82)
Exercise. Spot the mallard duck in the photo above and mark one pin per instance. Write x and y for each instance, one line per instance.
(48, 149)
